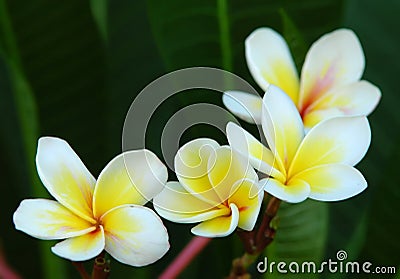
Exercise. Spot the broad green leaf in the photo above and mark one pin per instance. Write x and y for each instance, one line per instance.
(373, 23)
(132, 63)
(53, 50)
(100, 14)
(63, 57)
(294, 38)
(27, 118)
(207, 33)
(301, 237)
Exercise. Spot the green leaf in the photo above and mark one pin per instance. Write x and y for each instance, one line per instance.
(48, 52)
(212, 33)
(27, 117)
(380, 43)
(225, 34)
(294, 38)
(100, 10)
(301, 236)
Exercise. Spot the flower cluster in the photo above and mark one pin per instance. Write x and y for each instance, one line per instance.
(316, 131)
(315, 128)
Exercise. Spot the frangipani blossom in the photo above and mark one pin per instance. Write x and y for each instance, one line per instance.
(92, 216)
(329, 85)
(216, 187)
(318, 164)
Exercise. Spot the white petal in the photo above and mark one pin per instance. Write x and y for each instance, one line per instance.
(244, 105)
(316, 116)
(270, 62)
(133, 177)
(260, 157)
(81, 248)
(337, 140)
(177, 203)
(46, 219)
(65, 176)
(187, 218)
(227, 167)
(282, 126)
(135, 235)
(191, 167)
(334, 60)
(356, 99)
(248, 197)
(220, 226)
(296, 192)
(333, 182)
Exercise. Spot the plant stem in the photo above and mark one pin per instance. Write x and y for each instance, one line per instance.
(81, 269)
(192, 249)
(101, 267)
(240, 265)
(266, 231)
(255, 241)
(5, 270)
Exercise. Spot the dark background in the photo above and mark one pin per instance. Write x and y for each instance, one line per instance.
(72, 68)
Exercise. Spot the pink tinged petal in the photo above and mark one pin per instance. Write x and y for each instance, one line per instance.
(248, 198)
(337, 140)
(47, 219)
(315, 116)
(135, 235)
(282, 126)
(191, 167)
(226, 168)
(220, 226)
(244, 105)
(133, 177)
(65, 176)
(270, 62)
(333, 182)
(81, 248)
(295, 191)
(356, 99)
(334, 60)
(260, 157)
(176, 204)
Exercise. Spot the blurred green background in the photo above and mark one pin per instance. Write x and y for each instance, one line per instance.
(72, 68)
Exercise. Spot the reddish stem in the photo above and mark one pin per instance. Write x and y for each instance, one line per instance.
(266, 233)
(81, 269)
(5, 270)
(255, 241)
(101, 267)
(192, 249)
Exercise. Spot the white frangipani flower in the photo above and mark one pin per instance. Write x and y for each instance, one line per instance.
(329, 84)
(95, 215)
(216, 187)
(318, 164)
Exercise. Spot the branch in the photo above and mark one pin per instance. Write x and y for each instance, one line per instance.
(81, 269)
(266, 232)
(192, 249)
(101, 267)
(255, 241)
(5, 270)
